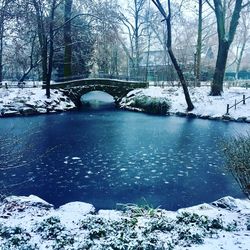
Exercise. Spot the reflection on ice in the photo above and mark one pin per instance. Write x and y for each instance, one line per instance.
(97, 100)
(76, 158)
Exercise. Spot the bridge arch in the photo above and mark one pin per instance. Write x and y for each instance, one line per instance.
(116, 88)
(75, 93)
(97, 95)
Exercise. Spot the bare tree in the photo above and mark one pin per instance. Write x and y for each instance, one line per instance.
(5, 15)
(136, 27)
(149, 31)
(107, 30)
(22, 47)
(167, 18)
(243, 39)
(67, 38)
(45, 15)
(199, 44)
(225, 37)
(34, 61)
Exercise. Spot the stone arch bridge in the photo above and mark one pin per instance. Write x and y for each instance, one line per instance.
(117, 88)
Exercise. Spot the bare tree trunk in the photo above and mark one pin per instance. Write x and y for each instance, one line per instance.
(26, 73)
(43, 44)
(32, 65)
(225, 40)
(1, 57)
(46, 42)
(51, 48)
(45, 66)
(238, 63)
(198, 47)
(149, 34)
(67, 39)
(114, 61)
(147, 61)
(171, 54)
(218, 78)
(1, 46)
(137, 53)
(182, 79)
(244, 39)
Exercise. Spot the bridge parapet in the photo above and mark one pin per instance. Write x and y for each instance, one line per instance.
(100, 81)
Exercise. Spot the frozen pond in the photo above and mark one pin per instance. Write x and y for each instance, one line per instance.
(109, 156)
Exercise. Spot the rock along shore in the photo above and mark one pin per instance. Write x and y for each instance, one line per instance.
(32, 101)
(153, 100)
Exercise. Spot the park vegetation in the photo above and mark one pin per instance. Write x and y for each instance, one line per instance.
(237, 152)
(140, 40)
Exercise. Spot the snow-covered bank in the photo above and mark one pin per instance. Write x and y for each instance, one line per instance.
(206, 107)
(30, 101)
(31, 223)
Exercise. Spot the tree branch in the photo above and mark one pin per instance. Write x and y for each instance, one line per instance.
(210, 5)
(245, 5)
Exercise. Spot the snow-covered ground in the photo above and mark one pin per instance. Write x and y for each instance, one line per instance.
(17, 101)
(206, 106)
(29, 101)
(31, 223)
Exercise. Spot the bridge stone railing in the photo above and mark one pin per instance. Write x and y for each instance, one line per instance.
(100, 81)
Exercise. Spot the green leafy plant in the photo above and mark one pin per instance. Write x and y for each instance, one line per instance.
(15, 238)
(136, 210)
(190, 238)
(192, 218)
(232, 226)
(62, 241)
(161, 224)
(50, 228)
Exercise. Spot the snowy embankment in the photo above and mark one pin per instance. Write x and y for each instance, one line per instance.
(31, 223)
(31, 101)
(206, 107)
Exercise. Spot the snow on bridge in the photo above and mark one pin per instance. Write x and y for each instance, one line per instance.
(117, 88)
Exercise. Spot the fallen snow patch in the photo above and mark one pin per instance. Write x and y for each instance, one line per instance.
(206, 106)
(30, 101)
(223, 224)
